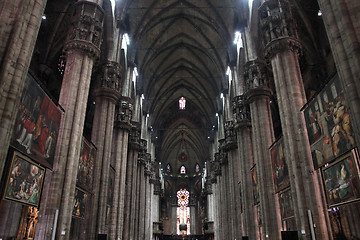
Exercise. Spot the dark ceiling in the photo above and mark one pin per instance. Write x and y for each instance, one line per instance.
(182, 49)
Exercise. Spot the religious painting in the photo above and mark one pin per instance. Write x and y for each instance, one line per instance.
(255, 185)
(286, 204)
(80, 200)
(86, 164)
(37, 124)
(25, 180)
(110, 196)
(280, 168)
(328, 124)
(341, 180)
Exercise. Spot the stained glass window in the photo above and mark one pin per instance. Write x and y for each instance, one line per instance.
(182, 103)
(168, 168)
(183, 212)
(197, 168)
(182, 170)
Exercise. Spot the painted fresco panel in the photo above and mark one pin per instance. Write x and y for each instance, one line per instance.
(341, 180)
(329, 125)
(80, 201)
(286, 204)
(25, 180)
(86, 165)
(280, 168)
(255, 185)
(37, 124)
(111, 186)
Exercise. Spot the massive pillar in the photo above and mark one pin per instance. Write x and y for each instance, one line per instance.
(233, 186)
(241, 111)
(106, 95)
(282, 48)
(215, 170)
(131, 177)
(121, 132)
(258, 94)
(82, 48)
(343, 31)
(141, 191)
(20, 23)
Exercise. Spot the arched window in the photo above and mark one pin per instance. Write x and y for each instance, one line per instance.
(182, 103)
(183, 170)
(197, 168)
(168, 168)
(183, 212)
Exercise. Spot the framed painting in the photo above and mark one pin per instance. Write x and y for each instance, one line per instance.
(80, 201)
(25, 180)
(111, 186)
(280, 168)
(328, 124)
(255, 185)
(37, 124)
(341, 180)
(86, 165)
(286, 204)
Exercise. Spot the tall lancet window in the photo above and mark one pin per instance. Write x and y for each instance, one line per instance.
(183, 213)
(183, 170)
(182, 103)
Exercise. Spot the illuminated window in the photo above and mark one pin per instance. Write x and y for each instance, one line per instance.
(182, 103)
(182, 170)
(168, 168)
(197, 168)
(183, 212)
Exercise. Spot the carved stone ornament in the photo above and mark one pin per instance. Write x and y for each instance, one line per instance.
(215, 166)
(86, 29)
(148, 169)
(278, 27)
(230, 135)
(123, 114)
(111, 76)
(256, 75)
(134, 137)
(223, 154)
(142, 152)
(241, 111)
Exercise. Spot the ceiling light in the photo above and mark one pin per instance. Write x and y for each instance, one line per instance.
(43, 17)
(319, 13)
(136, 71)
(127, 39)
(217, 114)
(237, 37)
(221, 95)
(228, 71)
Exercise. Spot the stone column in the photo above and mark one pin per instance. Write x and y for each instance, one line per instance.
(148, 196)
(234, 193)
(20, 24)
(282, 48)
(241, 111)
(122, 128)
(258, 94)
(215, 169)
(106, 95)
(131, 177)
(141, 189)
(343, 30)
(81, 49)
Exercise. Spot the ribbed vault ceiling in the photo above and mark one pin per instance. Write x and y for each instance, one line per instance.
(182, 49)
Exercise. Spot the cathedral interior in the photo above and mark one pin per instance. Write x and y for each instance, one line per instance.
(179, 119)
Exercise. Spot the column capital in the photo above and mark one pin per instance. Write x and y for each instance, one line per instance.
(230, 135)
(258, 79)
(134, 137)
(149, 166)
(241, 111)
(85, 34)
(109, 81)
(123, 114)
(278, 27)
(142, 151)
(215, 166)
(223, 154)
